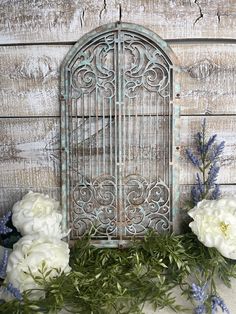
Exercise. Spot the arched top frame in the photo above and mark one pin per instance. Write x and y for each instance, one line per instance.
(66, 65)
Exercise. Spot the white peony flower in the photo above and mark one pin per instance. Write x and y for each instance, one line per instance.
(29, 254)
(214, 223)
(37, 213)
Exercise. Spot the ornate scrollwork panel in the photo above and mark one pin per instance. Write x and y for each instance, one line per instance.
(116, 134)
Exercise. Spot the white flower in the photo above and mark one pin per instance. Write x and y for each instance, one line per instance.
(214, 223)
(29, 254)
(37, 213)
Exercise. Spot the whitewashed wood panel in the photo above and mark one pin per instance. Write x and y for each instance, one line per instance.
(208, 80)
(29, 155)
(67, 20)
(29, 151)
(29, 79)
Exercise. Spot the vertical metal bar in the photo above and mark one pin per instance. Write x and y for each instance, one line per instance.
(141, 133)
(136, 134)
(171, 140)
(129, 128)
(115, 125)
(158, 132)
(120, 103)
(120, 135)
(124, 135)
(90, 140)
(103, 137)
(83, 139)
(64, 195)
(111, 152)
(149, 141)
(96, 126)
(163, 139)
(75, 127)
(65, 145)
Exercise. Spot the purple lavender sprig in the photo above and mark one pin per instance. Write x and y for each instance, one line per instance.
(193, 158)
(212, 174)
(206, 161)
(3, 221)
(14, 291)
(3, 264)
(199, 293)
(216, 302)
(200, 309)
(216, 192)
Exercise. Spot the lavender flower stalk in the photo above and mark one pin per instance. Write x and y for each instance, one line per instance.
(217, 301)
(206, 161)
(3, 263)
(199, 294)
(13, 291)
(200, 309)
(3, 221)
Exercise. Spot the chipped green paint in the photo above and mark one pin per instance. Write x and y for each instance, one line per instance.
(177, 88)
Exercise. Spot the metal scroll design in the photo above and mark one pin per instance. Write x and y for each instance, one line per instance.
(94, 69)
(146, 205)
(145, 67)
(95, 206)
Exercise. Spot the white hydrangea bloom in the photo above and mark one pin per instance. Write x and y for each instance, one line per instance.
(37, 213)
(214, 223)
(29, 254)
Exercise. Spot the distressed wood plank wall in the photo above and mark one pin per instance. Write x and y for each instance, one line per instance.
(36, 35)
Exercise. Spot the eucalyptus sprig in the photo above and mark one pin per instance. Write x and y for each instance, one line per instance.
(120, 281)
(206, 160)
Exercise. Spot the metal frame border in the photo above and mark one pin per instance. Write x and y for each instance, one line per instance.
(175, 125)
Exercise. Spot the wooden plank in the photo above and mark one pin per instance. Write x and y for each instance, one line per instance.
(208, 77)
(29, 151)
(29, 79)
(68, 20)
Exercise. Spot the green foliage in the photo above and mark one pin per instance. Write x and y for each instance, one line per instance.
(107, 281)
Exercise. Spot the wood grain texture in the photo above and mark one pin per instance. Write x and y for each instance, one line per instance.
(30, 155)
(208, 77)
(67, 20)
(29, 79)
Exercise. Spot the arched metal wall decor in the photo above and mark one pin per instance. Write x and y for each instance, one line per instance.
(117, 135)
